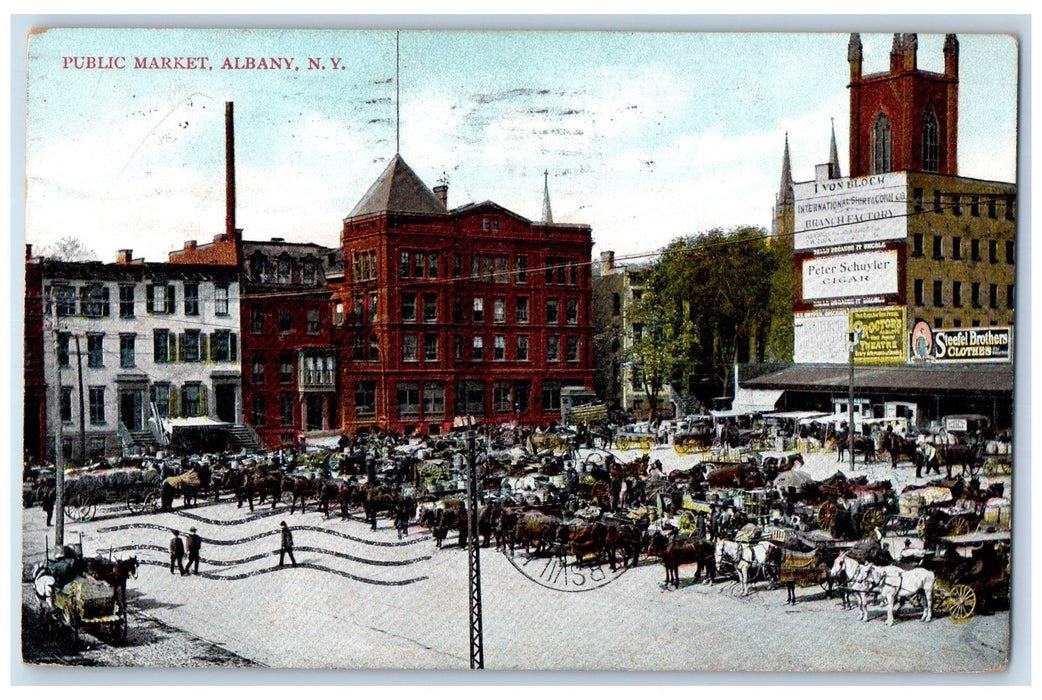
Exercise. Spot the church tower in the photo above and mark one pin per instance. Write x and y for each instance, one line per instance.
(784, 211)
(905, 119)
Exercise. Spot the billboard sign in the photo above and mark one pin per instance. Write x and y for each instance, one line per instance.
(973, 344)
(869, 273)
(882, 334)
(850, 210)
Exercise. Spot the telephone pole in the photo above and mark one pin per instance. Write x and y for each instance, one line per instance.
(59, 464)
(477, 654)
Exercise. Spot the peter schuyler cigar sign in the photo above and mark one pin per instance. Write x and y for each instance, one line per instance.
(519, 350)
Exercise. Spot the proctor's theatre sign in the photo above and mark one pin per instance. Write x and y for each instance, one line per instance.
(961, 344)
(867, 209)
(882, 336)
(871, 273)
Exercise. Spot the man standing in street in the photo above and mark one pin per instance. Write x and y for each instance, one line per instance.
(177, 553)
(287, 545)
(195, 543)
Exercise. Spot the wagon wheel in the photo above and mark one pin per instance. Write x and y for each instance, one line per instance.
(683, 448)
(872, 518)
(143, 501)
(961, 602)
(80, 508)
(826, 515)
(644, 445)
(959, 525)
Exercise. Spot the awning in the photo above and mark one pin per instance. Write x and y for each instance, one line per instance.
(756, 400)
(957, 379)
(797, 415)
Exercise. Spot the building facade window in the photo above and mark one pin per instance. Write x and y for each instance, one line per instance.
(314, 322)
(956, 293)
(287, 368)
(286, 410)
(931, 139)
(956, 248)
(365, 398)
(191, 342)
(975, 295)
(522, 309)
(938, 248)
(882, 148)
(285, 321)
(993, 290)
(191, 299)
(522, 348)
(127, 355)
(94, 301)
(974, 250)
(552, 312)
(478, 312)
(260, 410)
(408, 308)
(938, 293)
(551, 396)
(571, 312)
(1009, 296)
(220, 299)
(571, 349)
(95, 349)
(97, 405)
(521, 271)
(430, 348)
(63, 350)
(338, 313)
(993, 252)
(64, 299)
(553, 348)
(374, 311)
(65, 404)
(257, 369)
(430, 308)
(409, 347)
(223, 346)
(917, 245)
(433, 399)
(470, 398)
(918, 289)
(499, 348)
(1009, 253)
(159, 394)
(478, 348)
(257, 321)
(408, 399)
(126, 301)
(502, 397)
(499, 310)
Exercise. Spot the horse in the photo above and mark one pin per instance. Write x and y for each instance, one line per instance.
(535, 528)
(896, 585)
(847, 572)
(583, 539)
(266, 485)
(302, 488)
(748, 560)
(627, 537)
(862, 444)
(43, 585)
(187, 485)
(675, 553)
(404, 511)
(115, 574)
(969, 457)
(899, 448)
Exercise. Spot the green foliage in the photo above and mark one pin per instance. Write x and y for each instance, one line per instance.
(708, 300)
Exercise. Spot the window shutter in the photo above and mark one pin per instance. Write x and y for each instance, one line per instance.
(204, 393)
(157, 338)
(170, 300)
(171, 355)
(233, 345)
(181, 348)
(203, 337)
(105, 301)
(173, 401)
(149, 297)
(184, 400)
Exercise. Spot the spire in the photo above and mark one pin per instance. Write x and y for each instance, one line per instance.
(548, 216)
(785, 195)
(834, 154)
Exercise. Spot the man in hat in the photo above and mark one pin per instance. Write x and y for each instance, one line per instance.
(177, 552)
(287, 545)
(195, 543)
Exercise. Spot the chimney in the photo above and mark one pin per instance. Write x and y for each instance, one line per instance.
(229, 171)
(124, 256)
(28, 251)
(190, 245)
(607, 261)
(442, 193)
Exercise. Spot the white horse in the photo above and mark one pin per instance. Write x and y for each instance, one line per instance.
(747, 559)
(896, 585)
(851, 574)
(43, 584)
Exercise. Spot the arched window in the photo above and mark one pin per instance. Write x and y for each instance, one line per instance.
(931, 138)
(882, 148)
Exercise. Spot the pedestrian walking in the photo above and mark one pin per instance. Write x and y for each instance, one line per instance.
(47, 502)
(287, 545)
(177, 552)
(195, 543)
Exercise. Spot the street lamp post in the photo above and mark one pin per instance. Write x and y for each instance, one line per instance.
(477, 653)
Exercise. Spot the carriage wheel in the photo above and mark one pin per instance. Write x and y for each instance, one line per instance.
(141, 501)
(80, 508)
(683, 449)
(959, 525)
(872, 519)
(961, 602)
(826, 515)
(645, 445)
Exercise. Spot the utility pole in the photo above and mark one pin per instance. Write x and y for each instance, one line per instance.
(59, 464)
(477, 654)
(855, 338)
(83, 426)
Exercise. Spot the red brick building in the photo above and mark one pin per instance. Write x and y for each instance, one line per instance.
(470, 312)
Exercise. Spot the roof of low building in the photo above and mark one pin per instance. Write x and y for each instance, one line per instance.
(961, 378)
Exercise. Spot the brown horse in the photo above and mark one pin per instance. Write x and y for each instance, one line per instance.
(899, 448)
(675, 553)
(115, 574)
(300, 488)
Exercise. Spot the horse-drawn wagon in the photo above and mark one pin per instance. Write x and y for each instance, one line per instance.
(973, 573)
(85, 491)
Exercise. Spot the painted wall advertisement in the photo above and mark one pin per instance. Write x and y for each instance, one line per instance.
(850, 275)
(850, 210)
(882, 336)
(993, 344)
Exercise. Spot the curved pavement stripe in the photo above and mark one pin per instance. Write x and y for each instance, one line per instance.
(250, 538)
(255, 557)
(303, 565)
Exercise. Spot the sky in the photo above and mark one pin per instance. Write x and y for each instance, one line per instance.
(645, 136)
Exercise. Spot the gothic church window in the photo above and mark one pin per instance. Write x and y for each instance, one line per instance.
(882, 146)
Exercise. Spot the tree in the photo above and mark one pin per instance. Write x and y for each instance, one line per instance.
(69, 249)
(659, 348)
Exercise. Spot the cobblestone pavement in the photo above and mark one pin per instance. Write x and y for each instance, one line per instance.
(365, 599)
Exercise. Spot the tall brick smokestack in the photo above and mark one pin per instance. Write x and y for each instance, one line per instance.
(229, 171)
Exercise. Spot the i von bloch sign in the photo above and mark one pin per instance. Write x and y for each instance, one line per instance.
(882, 335)
(850, 210)
(869, 273)
(961, 344)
